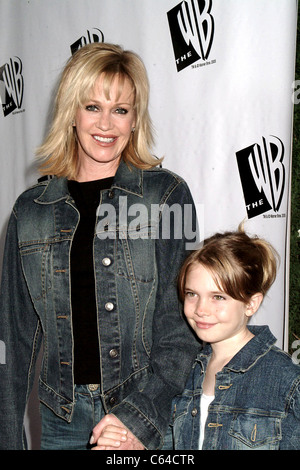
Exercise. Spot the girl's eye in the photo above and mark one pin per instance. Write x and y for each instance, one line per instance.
(219, 297)
(189, 294)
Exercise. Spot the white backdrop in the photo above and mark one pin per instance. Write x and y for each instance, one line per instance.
(221, 74)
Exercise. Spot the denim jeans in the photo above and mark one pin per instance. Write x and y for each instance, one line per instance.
(58, 434)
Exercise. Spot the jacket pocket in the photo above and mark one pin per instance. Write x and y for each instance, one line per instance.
(35, 259)
(255, 431)
(136, 258)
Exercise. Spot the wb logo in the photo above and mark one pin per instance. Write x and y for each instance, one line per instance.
(11, 86)
(95, 35)
(192, 29)
(262, 175)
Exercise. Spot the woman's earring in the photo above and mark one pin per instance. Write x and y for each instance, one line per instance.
(133, 129)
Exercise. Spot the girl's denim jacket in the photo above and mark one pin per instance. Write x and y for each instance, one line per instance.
(142, 334)
(256, 404)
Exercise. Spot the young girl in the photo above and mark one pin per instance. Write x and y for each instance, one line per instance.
(243, 392)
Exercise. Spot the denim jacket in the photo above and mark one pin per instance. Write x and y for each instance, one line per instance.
(256, 404)
(142, 334)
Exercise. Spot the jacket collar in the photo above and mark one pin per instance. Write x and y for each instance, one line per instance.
(127, 178)
(257, 347)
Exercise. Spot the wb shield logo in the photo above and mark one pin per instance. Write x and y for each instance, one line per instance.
(11, 85)
(94, 35)
(262, 175)
(192, 29)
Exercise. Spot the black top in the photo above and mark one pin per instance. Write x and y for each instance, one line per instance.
(84, 312)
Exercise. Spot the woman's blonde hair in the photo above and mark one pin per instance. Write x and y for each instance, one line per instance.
(59, 150)
(241, 266)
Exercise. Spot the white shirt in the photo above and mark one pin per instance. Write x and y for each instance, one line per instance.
(204, 404)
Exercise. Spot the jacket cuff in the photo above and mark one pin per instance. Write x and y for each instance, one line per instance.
(139, 425)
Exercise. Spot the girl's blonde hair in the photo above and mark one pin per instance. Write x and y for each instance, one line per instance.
(241, 266)
(59, 150)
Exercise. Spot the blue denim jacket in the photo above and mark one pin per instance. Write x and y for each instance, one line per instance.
(256, 404)
(142, 333)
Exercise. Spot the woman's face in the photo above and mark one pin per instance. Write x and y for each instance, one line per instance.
(214, 315)
(103, 128)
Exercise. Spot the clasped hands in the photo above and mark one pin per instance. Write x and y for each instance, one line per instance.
(111, 434)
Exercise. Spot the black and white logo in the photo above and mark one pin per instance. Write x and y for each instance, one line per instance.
(262, 175)
(11, 85)
(192, 30)
(93, 35)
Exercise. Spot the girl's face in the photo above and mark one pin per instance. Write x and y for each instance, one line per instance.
(214, 315)
(103, 128)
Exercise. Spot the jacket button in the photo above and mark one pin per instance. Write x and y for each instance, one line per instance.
(112, 400)
(109, 306)
(113, 353)
(106, 261)
(194, 412)
(111, 194)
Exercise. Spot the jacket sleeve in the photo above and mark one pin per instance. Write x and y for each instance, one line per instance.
(147, 413)
(291, 424)
(19, 334)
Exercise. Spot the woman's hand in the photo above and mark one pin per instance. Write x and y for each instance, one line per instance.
(111, 434)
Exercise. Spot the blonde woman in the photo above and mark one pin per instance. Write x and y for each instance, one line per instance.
(89, 271)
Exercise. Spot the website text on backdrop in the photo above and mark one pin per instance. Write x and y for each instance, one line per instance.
(101, 296)
(243, 392)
